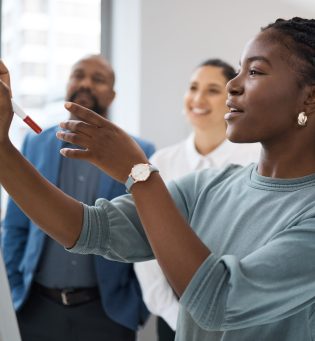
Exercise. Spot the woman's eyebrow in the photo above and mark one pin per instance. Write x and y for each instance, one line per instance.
(253, 58)
(260, 58)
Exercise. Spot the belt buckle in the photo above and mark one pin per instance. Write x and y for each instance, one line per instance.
(64, 296)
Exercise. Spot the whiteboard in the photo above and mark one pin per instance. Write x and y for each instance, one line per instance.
(9, 330)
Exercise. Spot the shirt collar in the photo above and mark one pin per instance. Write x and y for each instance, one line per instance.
(223, 153)
(194, 158)
(217, 158)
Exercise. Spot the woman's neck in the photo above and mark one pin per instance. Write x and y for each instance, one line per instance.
(288, 162)
(208, 140)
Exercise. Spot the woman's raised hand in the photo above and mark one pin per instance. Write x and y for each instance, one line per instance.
(6, 112)
(104, 144)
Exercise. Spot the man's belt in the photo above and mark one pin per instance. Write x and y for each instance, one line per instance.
(69, 296)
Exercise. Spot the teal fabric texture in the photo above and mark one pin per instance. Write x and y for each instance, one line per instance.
(259, 281)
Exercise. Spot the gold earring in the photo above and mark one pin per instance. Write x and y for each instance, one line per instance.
(302, 119)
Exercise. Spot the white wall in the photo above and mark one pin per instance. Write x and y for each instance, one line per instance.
(157, 43)
(126, 60)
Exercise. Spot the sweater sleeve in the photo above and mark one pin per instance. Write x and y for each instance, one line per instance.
(270, 284)
(113, 229)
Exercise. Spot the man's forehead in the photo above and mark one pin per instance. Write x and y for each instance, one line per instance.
(95, 65)
(92, 63)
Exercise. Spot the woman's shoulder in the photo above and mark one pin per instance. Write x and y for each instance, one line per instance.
(212, 176)
(218, 174)
(188, 190)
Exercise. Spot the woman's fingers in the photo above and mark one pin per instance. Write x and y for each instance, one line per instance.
(75, 153)
(78, 127)
(85, 114)
(74, 138)
(4, 75)
(5, 99)
(6, 112)
(5, 88)
(103, 143)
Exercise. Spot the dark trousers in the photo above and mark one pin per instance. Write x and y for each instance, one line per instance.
(165, 332)
(42, 319)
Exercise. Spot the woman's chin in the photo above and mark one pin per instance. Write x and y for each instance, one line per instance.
(239, 137)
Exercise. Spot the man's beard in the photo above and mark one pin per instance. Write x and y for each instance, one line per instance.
(95, 105)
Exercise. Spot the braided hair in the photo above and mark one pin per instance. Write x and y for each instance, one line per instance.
(298, 35)
(227, 69)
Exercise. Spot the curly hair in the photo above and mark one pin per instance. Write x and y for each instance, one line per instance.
(298, 35)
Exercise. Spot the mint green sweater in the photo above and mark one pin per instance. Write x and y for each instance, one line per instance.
(259, 281)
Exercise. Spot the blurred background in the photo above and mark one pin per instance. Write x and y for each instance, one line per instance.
(153, 46)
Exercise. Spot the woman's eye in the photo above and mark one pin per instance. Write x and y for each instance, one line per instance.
(213, 91)
(253, 72)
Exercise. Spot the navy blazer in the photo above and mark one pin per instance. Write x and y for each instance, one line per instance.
(22, 241)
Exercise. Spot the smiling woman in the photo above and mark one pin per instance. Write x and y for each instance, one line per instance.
(207, 147)
(264, 110)
(204, 108)
(237, 245)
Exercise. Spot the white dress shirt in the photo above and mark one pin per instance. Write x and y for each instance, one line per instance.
(174, 162)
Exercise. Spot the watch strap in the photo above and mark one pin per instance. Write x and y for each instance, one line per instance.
(131, 181)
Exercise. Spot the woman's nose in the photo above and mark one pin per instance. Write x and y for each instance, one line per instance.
(199, 97)
(235, 86)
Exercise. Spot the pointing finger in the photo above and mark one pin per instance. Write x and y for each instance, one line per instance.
(85, 114)
(74, 153)
(78, 127)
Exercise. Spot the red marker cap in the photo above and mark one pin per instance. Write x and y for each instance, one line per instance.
(32, 124)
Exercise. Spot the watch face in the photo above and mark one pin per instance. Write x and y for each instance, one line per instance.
(140, 172)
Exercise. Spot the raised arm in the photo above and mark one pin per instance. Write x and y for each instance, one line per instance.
(58, 214)
(112, 150)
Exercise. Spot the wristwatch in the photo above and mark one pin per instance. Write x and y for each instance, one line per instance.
(140, 172)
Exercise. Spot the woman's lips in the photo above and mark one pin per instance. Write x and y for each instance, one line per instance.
(232, 114)
(199, 111)
(235, 110)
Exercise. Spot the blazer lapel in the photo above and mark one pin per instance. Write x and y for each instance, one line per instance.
(54, 158)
